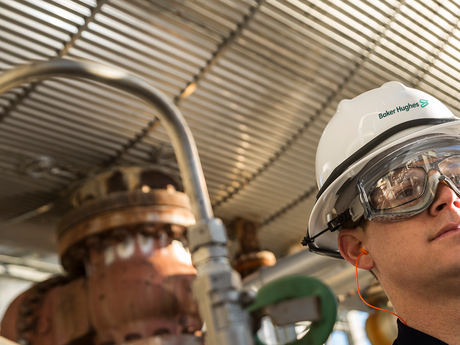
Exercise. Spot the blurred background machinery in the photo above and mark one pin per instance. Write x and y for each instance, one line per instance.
(256, 80)
(249, 256)
(128, 276)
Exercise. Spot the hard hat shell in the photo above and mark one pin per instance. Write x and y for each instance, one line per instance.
(355, 124)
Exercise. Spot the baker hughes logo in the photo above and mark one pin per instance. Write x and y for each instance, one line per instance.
(422, 103)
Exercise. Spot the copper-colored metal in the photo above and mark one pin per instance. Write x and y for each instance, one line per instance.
(4, 341)
(132, 199)
(138, 277)
(249, 257)
(123, 179)
(246, 264)
(54, 311)
(121, 200)
(72, 321)
(140, 287)
(129, 273)
(124, 218)
(11, 323)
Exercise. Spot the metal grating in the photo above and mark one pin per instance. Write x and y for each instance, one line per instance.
(268, 76)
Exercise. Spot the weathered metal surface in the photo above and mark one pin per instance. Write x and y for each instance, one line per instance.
(130, 178)
(129, 276)
(10, 327)
(138, 277)
(249, 257)
(139, 218)
(70, 312)
(120, 202)
(32, 317)
(251, 262)
(140, 287)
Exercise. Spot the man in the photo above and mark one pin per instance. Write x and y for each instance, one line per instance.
(388, 168)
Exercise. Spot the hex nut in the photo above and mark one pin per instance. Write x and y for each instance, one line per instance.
(217, 281)
(205, 253)
(207, 232)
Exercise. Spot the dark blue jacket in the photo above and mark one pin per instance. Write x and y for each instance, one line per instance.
(410, 336)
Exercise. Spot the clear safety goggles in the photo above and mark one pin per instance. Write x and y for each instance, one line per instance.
(404, 182)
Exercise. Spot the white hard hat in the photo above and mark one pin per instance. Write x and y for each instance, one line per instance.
(361, 129)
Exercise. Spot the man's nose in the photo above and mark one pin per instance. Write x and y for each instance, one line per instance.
(445, 199)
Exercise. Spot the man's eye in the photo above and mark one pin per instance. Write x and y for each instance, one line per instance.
(455, 179)
(407, 192)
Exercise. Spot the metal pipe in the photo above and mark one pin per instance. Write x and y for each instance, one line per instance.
(217, 285)
(339, 275)
(302, 262)
(169, 114)
(24, 216)
(30, 263)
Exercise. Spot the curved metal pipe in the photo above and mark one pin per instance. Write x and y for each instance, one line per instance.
(169, 115)
(302, 262)
(216, 287)
(339, 275)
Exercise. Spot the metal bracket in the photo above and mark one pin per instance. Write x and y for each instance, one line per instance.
(283, 299)
(291, 311)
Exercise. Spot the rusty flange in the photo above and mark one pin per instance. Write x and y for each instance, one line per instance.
(125, 179)
(124, 210)
(118, 202)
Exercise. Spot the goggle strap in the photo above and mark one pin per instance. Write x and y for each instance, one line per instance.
(356, 209)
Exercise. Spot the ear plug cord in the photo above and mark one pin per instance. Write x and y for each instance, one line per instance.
(365, 252)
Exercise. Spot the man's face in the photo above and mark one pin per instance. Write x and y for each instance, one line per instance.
(421, 251)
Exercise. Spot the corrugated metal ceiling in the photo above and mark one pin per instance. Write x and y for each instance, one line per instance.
(268, 77)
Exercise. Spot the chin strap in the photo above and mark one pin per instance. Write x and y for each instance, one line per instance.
(332, 226)
(365, 252)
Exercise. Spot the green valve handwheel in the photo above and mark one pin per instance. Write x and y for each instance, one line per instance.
(297, 298)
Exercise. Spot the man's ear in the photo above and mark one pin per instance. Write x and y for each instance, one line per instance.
(350, 245)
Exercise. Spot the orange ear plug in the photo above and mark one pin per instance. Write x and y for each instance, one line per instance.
(365, 252)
